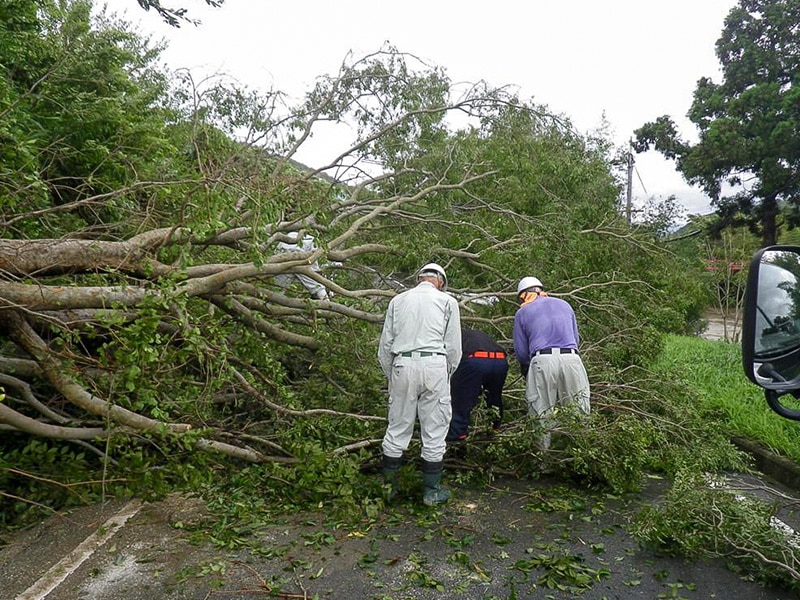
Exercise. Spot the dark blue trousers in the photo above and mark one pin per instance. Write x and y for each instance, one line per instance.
(475, 377)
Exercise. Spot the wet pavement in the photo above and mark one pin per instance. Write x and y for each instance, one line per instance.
(512, 539)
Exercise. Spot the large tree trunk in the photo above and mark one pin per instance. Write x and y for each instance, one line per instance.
(769, 234)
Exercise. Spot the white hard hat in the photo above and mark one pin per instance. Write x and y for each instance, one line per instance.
(528, 282)
(431, 269)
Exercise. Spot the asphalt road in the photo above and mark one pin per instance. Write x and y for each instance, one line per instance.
(513, 539)
(720, 327)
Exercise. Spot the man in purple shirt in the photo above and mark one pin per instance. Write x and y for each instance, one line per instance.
(546, 344)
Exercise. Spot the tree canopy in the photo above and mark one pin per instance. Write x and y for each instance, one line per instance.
(747, 123)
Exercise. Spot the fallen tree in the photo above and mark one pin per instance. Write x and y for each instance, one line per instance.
(144, 297)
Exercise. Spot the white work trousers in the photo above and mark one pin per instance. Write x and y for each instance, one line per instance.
(556, 379)
(418, 387)
(315, 288)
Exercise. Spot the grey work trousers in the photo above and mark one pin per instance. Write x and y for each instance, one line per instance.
(556, 379)
(419, 386)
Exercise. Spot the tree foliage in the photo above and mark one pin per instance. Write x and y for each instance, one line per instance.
(174, 16)
(747, 124)
(142, 322)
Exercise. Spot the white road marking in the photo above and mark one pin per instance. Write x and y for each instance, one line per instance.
(56, 575)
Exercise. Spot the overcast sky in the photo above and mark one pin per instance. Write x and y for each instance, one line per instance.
(630, 60)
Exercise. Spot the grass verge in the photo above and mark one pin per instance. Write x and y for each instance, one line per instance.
(713, 369)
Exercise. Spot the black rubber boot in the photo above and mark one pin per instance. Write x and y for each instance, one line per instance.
(431, 478)
(391, 467)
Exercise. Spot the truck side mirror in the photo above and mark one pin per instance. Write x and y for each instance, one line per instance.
(771, 325)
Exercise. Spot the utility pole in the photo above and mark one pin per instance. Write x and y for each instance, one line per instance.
(629, 203)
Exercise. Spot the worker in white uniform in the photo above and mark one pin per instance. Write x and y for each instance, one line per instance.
(420, 347)
(304, 244)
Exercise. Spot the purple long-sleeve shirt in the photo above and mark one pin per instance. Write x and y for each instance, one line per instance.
(546, 322)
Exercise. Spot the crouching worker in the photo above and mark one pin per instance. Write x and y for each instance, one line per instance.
(481, 373)
(305, 244)
(419, 349)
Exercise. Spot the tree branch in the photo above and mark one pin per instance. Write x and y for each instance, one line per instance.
(22, 333)
(33, 427)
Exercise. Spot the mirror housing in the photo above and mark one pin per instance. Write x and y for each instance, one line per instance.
(771, 325)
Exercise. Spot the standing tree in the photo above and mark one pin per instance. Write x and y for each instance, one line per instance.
(747, 124)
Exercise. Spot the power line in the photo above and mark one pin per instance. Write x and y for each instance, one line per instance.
(640, 179)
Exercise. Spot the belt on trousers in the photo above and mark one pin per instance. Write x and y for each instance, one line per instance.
(556, 351)
(484, 354)
(422, 354)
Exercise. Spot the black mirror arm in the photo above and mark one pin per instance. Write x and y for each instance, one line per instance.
(773, 402)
